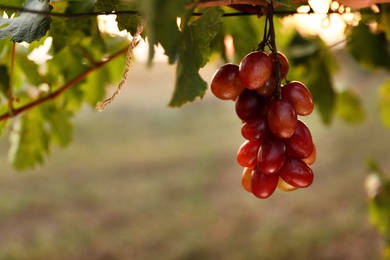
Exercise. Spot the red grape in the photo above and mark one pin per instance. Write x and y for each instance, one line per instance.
(263, 185)
(272, 155)
(255, 69)
(255, 129)
(246, 178)
(247, 153)
(282, 118)
(296, 173)
(283, 62)
(249, 105)
(226, 83)
(311, 158)
(300, 144)
(268, 88)
(299, 96)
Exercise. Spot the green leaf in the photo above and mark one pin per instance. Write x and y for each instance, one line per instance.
(94, 87)
(4, 79)
(369, 49)
(315, 64)
(378, 191)
(163, 29)
(13, 3)
(202, 32)
(194, 54)
(245, 36)
(27, 27)
(321, 87)
(129, 23)
(349, 107)
(28, 67)
(58, 122)
(125, 21)
(384, 103)
(29, 141)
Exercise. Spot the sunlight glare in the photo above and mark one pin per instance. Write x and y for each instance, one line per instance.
(329, 27)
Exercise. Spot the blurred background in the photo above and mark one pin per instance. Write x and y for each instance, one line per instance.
(144, 181)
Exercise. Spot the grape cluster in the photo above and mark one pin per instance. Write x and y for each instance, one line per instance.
(279, 149)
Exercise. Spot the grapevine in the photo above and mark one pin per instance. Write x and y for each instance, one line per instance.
(279, 148)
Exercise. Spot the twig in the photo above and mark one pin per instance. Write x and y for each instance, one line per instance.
(62, 89)
(11, 83)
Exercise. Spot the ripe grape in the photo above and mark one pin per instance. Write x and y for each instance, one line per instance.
(247, 153)
(271, 156)
(268, 89)
(296, 173)
(282, 118)
(312, 157)
(255, 69)
(263, 185)
(255, 129)
(299, 96)
(226, 83)
(246, 178)
(249, 105)
(278, 148)
(284, 186)
(283, 62)
(300, 144)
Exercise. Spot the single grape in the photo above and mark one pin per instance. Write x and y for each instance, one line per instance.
(282, 118)
(226, 83)
(299, 96)
(283, 62)
(300, 144)
(284, 186)
(263, 185)
(255, 129)
(272, 155)
(249, 105)
(247, 153)
(296, 173)
(311, 158)
(255, 69)
(268, 88)
(246, 178)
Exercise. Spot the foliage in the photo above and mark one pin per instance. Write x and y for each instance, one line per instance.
(39, 99)
(378, 191)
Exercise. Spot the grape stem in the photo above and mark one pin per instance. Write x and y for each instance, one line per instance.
(272, 43)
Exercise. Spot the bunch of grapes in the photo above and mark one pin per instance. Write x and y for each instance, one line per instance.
(279, 149)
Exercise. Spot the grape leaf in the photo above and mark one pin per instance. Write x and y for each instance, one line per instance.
(194, 54)
(378, 192)
(321, 87)
(312, 59)
(27, 27)
(125, 21)
(58, 122)
(163, 29)
(384, 103)
(349, 107)
(29, 141)
(13, 3)
(377, 55)
(4, 79)
(245, 36)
